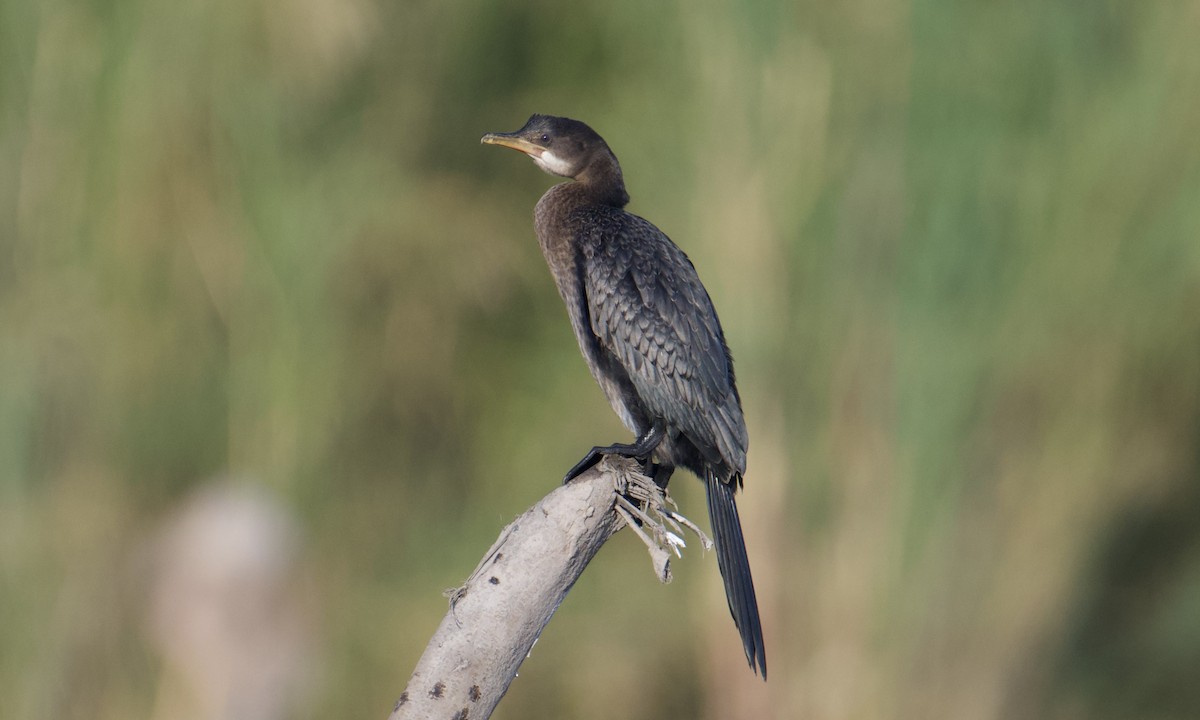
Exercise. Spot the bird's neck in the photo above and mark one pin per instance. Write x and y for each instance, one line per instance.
(602, 182)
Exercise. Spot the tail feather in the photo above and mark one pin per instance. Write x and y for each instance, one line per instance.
(735, 569)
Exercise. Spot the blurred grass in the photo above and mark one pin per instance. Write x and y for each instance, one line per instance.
(954, 247)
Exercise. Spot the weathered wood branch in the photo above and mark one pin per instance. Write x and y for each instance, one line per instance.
(498, 614)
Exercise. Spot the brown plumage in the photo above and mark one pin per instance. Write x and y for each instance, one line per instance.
(650, 336)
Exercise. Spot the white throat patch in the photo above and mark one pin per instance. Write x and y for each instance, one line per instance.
(553, 164)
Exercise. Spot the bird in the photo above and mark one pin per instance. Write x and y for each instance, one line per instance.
(650, 335)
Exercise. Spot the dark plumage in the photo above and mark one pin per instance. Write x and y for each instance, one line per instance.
(650, 335)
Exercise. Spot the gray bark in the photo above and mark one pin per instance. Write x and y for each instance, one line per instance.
(496, 617)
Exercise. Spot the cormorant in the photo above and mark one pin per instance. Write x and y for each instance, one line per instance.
(650, 335)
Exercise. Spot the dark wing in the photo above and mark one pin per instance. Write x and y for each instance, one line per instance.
(648, 308)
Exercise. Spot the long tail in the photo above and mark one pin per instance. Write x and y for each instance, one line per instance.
(735, 569)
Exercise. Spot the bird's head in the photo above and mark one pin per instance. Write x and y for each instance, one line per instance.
(560, 146)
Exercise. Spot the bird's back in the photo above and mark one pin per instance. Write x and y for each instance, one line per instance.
(647, 308)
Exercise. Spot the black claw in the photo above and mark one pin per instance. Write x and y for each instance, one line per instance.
(584, 465)
(662, 475)
(641, 450)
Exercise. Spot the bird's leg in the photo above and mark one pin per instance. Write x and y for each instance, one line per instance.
(662, 474)
(639, 450)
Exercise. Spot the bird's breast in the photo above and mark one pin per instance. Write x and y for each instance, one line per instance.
(558, 234)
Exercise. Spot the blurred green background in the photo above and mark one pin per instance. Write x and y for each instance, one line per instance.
(256, 246)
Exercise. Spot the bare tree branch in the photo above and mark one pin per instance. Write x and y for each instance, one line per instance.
(498, 614)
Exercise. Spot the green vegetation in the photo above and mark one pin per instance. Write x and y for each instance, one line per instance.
(955, 246)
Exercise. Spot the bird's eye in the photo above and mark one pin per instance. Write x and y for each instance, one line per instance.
(546, 138)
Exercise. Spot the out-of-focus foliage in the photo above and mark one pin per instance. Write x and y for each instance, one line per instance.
(955, 246)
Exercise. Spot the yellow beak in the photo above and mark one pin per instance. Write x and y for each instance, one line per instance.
(515, 142)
